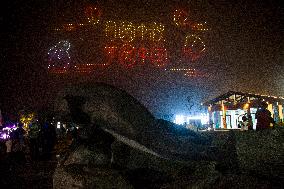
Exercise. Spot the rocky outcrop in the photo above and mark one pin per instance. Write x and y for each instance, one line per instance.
(115, 110)
(123, 146)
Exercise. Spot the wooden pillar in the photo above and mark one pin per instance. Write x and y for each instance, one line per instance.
(270, 108)
(224, 116)
(280, 107)
(248, 107)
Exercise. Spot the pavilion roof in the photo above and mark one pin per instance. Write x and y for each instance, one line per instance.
(233, 97)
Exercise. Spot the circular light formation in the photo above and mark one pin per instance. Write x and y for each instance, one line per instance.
(193, 47)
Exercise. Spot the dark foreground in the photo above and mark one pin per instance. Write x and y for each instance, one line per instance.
(37, 174)
(255, 161)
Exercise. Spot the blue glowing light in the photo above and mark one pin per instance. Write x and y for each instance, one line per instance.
(181, 119)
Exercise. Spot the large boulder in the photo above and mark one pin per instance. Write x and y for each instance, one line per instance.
(251, 155)
(117, 111)
(262, 153)
(153, 153)
(143, 147)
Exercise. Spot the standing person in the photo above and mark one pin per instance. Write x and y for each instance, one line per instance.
(27, 151)
(245, 123)
(250, 123)
(263, 117)
(1, 120)
(240, 125)
(33, 140)
(49, 138)
(44, 139)
(21, 133)
(18, 154)
(9, 144)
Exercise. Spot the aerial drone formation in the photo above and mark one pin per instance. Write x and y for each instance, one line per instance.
(131, 44)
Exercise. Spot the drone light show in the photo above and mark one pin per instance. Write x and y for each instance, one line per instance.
(126, 43)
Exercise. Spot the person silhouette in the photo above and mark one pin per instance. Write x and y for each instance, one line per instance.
(263, 116)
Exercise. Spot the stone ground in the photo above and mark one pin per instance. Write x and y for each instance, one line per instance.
(37, 174)
(259, 167)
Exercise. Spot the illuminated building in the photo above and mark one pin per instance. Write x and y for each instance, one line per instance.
(225, 111)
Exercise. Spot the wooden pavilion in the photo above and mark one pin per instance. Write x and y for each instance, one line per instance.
(226, 110)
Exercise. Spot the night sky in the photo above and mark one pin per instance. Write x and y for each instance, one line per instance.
(244, 51)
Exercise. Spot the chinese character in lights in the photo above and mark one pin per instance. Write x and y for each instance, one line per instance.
(93, 14)
(127, 55)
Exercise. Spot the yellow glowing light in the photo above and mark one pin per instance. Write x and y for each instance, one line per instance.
(270, 108)
(26, 120)
(280, 111)
(200, 27)
(141, 31)
(246, 106)
(209, 108)
(157, 32)
(181, 18)
(110, 29)
(126, 32)
(193, 41)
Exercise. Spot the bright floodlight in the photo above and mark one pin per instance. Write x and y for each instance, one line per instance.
(179, 119)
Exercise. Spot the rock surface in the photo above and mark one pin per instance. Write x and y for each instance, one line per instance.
(114, 109)
(185, 159)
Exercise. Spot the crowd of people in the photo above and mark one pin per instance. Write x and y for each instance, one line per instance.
(25, 145)
(35, 141)
(263, 117)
